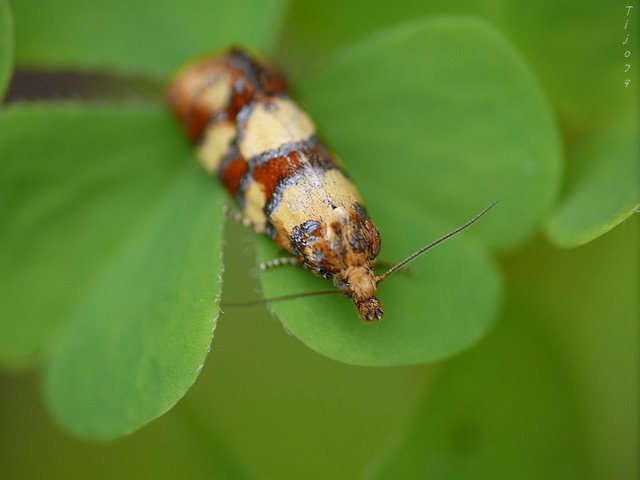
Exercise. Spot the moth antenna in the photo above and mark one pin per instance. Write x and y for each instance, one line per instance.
(398, 266)
(281, 298)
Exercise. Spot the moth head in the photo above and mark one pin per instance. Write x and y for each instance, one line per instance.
(360, 282)
(369, 309)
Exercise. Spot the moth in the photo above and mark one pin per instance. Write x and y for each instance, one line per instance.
(265, 150)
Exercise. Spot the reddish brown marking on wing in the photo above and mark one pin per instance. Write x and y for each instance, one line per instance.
(272, 81)
(196, 121)
(242, 95)
(232, 173)
(271, 172)
(283, 241)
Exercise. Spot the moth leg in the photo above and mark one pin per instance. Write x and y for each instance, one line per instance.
(278, 262)
(386, 265)
(240, 218)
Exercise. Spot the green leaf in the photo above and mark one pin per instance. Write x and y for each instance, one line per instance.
(112, 241)
(576, 52)
(6, 47)
(447, 304)
(137, 340)
(434, 119)
(314, 30)
(443, 114)
(506, 409)
(146, 36)
(602, 190)
(591, 309)
(74, 182)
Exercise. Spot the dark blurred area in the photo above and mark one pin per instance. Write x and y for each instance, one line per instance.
(29, 85)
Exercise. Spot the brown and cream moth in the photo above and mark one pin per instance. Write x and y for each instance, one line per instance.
(264, 149)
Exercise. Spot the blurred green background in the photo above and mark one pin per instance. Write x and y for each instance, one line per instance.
(266, 406)
(550, 392)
